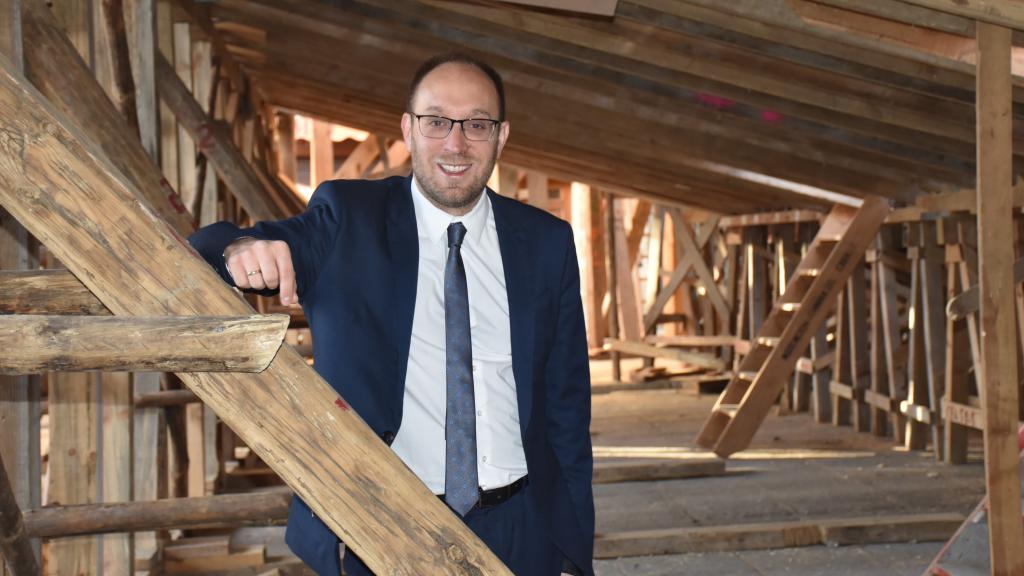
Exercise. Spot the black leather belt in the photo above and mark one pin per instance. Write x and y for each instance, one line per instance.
(495, 496)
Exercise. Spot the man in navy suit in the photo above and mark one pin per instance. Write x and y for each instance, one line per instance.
(450, 319)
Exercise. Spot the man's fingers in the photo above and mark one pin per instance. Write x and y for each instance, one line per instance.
(237, 271)
(267, 264)
(252, 269)
(286, 273)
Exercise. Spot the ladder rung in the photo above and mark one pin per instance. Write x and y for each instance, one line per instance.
(728, 409)
(809, 272)
(789, 306)
(770, 341)
(746, 375)
(830, 238)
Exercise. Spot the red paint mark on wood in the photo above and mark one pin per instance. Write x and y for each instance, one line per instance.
(205, 140)
(341, 404)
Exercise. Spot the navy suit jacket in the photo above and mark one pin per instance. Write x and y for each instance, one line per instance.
(355, 251)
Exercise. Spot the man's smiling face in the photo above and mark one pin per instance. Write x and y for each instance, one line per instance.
(452, 171)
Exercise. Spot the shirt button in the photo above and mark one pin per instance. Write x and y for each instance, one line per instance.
(485, 458)
(479, 412)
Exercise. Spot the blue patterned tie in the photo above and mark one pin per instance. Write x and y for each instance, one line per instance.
(460, 478)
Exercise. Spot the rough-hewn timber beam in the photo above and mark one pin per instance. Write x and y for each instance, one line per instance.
(220, 511)
(32, 344)
(55, 68)
(46, 292)
(1009, 13)
(63, 190)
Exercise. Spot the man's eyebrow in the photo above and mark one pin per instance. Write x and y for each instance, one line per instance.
(482, 111)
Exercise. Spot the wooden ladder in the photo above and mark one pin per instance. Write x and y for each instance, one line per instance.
(837, 249)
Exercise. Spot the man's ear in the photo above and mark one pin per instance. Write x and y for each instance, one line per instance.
(407, 120)
(502, 136)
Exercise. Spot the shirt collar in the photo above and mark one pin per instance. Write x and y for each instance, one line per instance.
(432, 222)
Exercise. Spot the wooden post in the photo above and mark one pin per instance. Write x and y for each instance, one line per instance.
(46, 181)
(582, 223)
(168, 125)
(957, 375)
(537, 189)
(321, 154)
(113, 63)
(612, 281)
(139, 16)
(998, 330)
(286, 144)
(630, 317)
(188, 180)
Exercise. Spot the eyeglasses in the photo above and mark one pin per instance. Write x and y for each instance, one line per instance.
(441, 127)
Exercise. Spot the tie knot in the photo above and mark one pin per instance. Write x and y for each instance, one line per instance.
(456, 233)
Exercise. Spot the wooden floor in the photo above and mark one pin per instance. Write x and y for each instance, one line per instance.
(795, 470)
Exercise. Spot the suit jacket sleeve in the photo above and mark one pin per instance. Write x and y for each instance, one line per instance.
(568, 391)
(310, 237)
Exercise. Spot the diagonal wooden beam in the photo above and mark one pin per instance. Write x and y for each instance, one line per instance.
(360, 160)
(32, 344)
(55, 68)
(685, 234)
(14, 544)
(214, 142)
(1009, 13)
(60, 186)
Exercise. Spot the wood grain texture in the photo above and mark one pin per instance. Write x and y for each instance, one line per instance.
(14, 543)
(65, 191)
(998, 331)
(46, 292)
(30, 344)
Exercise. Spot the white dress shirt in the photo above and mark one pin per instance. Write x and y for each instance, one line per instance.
(420, 442)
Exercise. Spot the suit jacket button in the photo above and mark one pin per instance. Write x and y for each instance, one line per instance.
(388, 437)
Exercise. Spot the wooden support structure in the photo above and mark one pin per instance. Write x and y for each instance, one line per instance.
(646, 350)
(30, 344)
(258, 201)
(43, 183)
(998, 334)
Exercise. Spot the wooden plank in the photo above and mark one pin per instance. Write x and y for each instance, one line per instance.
(63, 78)
(140, 28)
(169, 159)
(933, 329)
(72, 466)
(704, 276)
(598, 7)
(250, 557)
(45, 184)
(147, 445)
(215, 144)
(285, 141)
(582, 225)
(118, 478)
(771, 218)
(998, 334)
(968, 301)
(537, 189)
(610, 473)
(46, 292)
(917, 378)
(694, 341)
(956, 377)
(775, 535)
(860, 365)
(188, 180)
(113, 63)
(33, 343)
(640, 349)
(1001, 12)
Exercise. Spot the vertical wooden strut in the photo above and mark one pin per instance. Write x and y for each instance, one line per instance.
(795, 318)
(62, 188)
(998, 330)
(14, 544)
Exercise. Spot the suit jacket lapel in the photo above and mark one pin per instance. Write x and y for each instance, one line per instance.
(404, 250)
(518, 283)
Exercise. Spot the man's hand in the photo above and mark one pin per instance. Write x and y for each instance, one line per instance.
(261, 264)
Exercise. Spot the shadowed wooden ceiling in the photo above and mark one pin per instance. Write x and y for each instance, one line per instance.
(720, 105)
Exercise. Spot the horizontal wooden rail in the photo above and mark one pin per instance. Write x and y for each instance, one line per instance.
(34, 344)
(46, 292)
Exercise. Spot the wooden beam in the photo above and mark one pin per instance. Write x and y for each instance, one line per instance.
(598, 7)
(630, 326)
(118, 432)
(771, 218)
(91, 219)
(165, 398)
(321, 153)
(214, 142)
(649, 351)
(31, 344)
(775, 535)
(998, 331)
(188, 180)
(46, 292)
(610, 473)
(356, 165)
(221, 511)
(1006, 13)
(14, 543)
(62, 77)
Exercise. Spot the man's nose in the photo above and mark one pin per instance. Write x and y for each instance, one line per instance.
(456, 140)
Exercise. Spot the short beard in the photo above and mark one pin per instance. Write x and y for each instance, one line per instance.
(464, 196)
